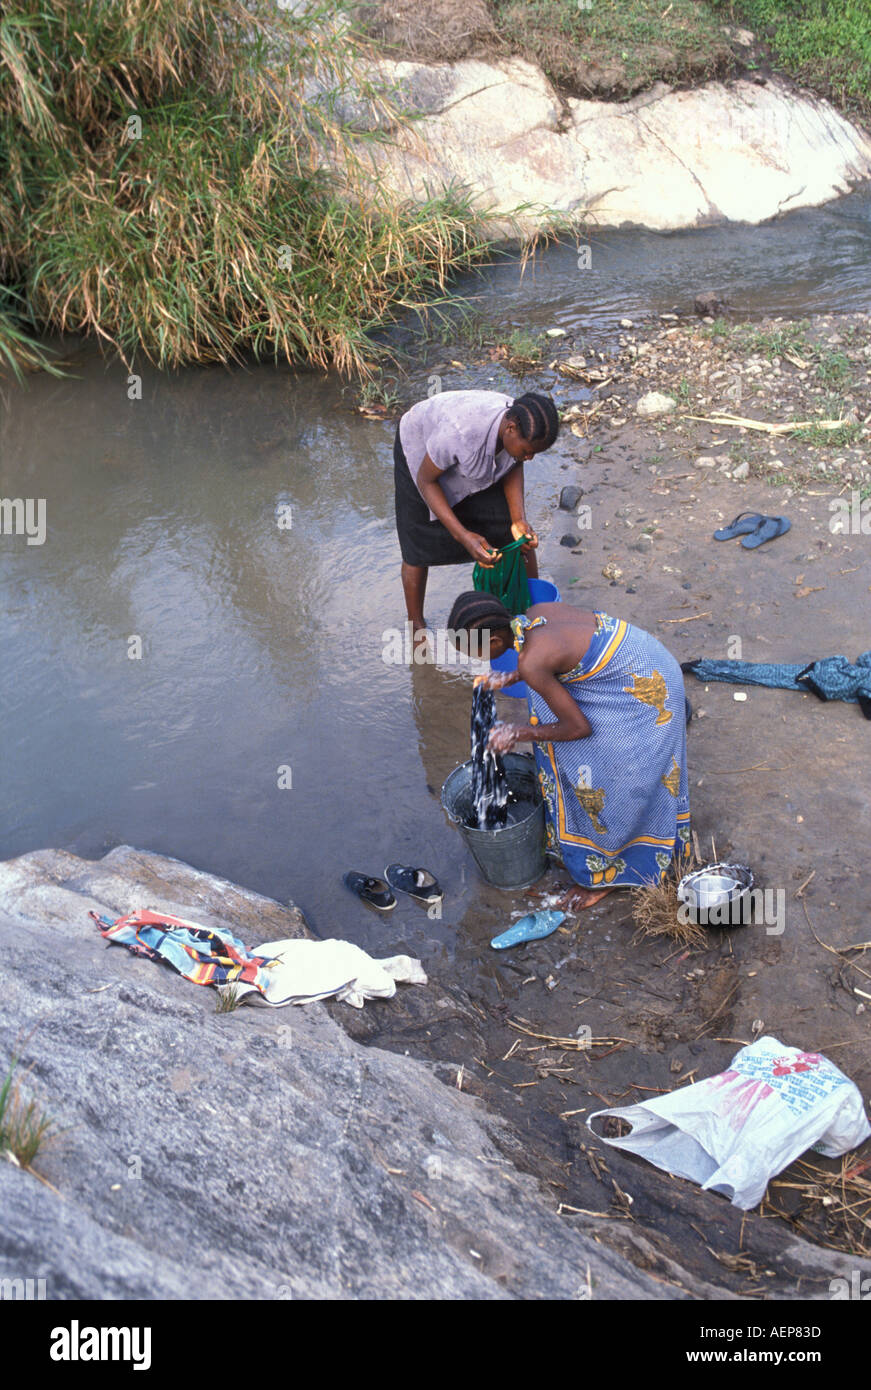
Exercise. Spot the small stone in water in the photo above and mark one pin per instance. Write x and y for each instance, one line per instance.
(570, 497)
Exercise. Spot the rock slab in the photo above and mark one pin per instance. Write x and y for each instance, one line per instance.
(256, 1154)
(739, 150)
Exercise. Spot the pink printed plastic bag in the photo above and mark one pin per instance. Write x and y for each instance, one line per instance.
(734, 1131)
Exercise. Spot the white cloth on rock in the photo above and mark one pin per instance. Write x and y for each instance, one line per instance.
(305, 971)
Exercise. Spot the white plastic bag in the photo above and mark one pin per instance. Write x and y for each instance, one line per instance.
(734, 1131)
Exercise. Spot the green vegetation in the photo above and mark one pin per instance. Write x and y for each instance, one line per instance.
(523, 344)
(228, 1000)
(773, 342)
(778, 479)
(189, 179)
(740, 452)
(834, 369)
(615, 47)
(825, 44)
(847, 433)
(23, 1124)
(469, 327)
(377, 393)
(19, 352)
(612, 48)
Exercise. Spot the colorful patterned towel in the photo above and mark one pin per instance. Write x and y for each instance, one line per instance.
(203, 956)
(617, 802)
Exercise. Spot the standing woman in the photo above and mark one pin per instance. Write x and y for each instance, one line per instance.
(458, 469)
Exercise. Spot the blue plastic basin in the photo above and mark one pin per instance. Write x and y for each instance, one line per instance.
(540, 591)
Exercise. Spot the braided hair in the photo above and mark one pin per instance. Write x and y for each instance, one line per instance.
(474, 609)
(536, 417)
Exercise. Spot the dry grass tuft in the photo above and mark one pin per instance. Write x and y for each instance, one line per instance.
(655, 908)
(441, 31)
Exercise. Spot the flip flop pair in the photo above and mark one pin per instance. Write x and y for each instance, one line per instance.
(754, 529)
(377, 892)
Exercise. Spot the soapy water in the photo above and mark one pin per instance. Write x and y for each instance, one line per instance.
(490, 794)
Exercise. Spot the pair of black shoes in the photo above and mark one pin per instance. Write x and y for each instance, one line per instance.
(418, 883)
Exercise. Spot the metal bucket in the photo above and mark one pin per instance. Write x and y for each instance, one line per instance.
(514, 855)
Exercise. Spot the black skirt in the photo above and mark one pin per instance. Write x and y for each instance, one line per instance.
(425, 542)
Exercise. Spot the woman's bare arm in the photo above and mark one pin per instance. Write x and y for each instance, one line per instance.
(430, 490)
(571, 722)
(512, 486)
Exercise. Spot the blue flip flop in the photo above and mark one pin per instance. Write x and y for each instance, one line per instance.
(769, 529)
(530, 928)
(743, 525)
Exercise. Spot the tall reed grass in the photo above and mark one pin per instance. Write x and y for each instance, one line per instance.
(192, 179)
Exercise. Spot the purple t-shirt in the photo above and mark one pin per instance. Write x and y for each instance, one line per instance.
(458, 429)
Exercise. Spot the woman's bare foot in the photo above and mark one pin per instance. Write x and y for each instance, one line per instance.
(576, 899)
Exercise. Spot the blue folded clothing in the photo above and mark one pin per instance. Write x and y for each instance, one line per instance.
(831, 678)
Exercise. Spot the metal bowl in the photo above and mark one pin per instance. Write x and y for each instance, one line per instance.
(717, 895)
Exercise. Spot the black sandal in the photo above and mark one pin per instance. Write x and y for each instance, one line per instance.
(418, 883)
(373, 891)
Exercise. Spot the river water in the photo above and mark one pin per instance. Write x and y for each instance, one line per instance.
(262, 644)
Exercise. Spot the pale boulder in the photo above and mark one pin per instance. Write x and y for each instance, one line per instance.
(738, 150)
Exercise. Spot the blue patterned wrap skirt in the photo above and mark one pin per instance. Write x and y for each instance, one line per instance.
(617, 802)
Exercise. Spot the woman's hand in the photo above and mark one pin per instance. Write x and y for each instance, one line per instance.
(481, 550)
(496, 680)
(523, 528)
(503, 737)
